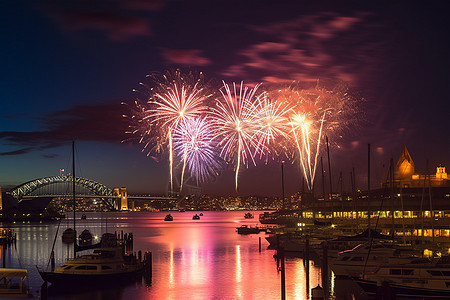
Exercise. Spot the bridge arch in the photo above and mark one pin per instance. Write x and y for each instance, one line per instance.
(96, 188)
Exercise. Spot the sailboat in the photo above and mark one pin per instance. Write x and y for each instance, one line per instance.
(105, 265)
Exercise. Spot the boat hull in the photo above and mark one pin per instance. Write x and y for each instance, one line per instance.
(371, 288)
(93, 280)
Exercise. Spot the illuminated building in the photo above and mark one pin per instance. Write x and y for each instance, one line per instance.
(405, 175)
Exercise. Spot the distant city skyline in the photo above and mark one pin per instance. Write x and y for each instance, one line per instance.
(68, 66)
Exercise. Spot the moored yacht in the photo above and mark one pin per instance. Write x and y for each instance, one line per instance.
(105, 265)
(417, 279)
(366, 258)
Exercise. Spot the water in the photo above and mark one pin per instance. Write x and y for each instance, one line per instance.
(192, 259)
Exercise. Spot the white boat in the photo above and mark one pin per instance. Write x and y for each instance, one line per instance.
(417, 279)
(12, 283)
(366, 258)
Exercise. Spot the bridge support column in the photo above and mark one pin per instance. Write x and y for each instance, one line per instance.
(122, 204)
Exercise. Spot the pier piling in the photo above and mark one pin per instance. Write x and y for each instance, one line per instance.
(259, 244)
(148, 264)
(283, 274)
(306, 262)
(325, 268)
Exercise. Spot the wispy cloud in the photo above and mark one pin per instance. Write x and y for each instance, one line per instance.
(322, 45)
(191, 57)
(102, 123)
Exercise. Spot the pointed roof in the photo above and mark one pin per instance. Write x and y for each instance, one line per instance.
(405, 165)
(405, 156)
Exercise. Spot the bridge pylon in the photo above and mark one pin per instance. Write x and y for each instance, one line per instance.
(122, 204)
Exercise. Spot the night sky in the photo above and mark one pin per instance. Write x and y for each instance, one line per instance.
(66, 66)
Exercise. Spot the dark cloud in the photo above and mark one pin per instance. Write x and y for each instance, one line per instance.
(103, 123)
(17, 152)
(15, 116)
(50, 155)
(191, 57)
(116, 20)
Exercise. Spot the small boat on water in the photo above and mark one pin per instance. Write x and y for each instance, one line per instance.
(68, 236)
(168, 217)
(201, 214)
(83, 217)
(12, 283)
(244, 229)
(196, 217)
(85, 238)
(248, 215)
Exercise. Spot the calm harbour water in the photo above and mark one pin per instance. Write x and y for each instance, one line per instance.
(192, 259)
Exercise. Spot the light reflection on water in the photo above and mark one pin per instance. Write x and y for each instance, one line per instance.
(192, 259)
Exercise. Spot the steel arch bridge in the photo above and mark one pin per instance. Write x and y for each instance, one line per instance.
(95, 188)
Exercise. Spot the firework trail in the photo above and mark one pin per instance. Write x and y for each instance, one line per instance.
(193, 141)
(234, 118)
(173, 98)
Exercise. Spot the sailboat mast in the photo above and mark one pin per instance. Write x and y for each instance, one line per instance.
(74, 200)
(368, 187)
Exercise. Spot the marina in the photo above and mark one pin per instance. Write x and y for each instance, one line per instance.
(191, 258)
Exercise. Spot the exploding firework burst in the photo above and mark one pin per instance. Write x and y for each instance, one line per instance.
(193, 142)
(316, 111)
(272, 126)
(234, 118)
(172, 98)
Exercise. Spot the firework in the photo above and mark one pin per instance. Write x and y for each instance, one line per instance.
(314, 111)
(234, 118)
(272, 125)
(173, 98)
(193, 142)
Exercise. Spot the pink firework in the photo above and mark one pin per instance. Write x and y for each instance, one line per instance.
(193, 142)
(173, 99)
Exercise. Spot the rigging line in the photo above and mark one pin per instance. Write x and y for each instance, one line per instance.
(376, 225)
(54, 242)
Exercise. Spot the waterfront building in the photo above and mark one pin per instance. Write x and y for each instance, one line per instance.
(405, 175)
(414, 206)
